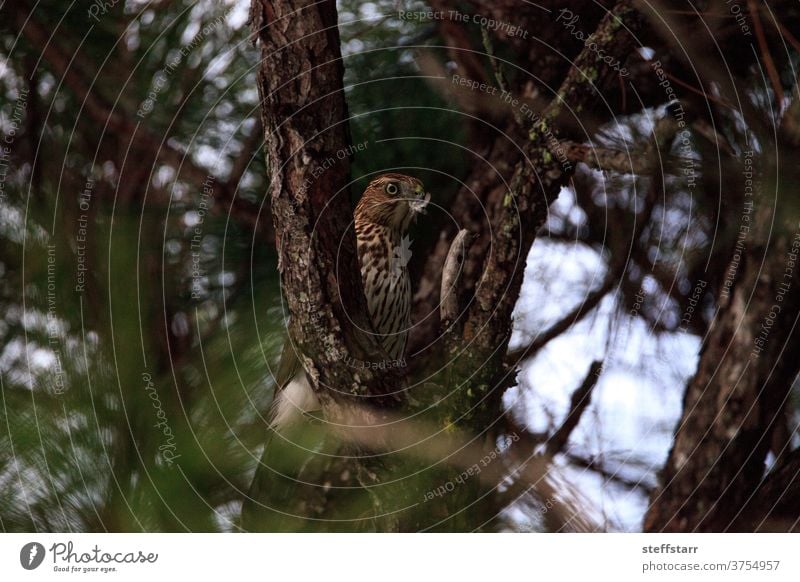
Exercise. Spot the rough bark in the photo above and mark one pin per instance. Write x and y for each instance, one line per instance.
(712, 472)
(518, 214)
(775, 506)
(748, 363)
(304, 114)
(311, 477)
(476, 376)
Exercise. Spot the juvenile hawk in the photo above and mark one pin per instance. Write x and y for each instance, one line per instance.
(387, 208)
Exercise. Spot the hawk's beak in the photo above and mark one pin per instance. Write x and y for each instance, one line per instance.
(421, 201)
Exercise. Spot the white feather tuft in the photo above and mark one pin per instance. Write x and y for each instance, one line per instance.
(296, 398)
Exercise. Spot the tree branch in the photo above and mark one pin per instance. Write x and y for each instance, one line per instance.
(743, 380)
(580, 311)
(772, 71)
(517, 214)
(453, 265)
(580, 400)
(121, 121)
(595, 465)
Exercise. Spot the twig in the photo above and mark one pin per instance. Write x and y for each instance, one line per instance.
(702, 93)
(631, 160)
(117, 118)
(606, 159)
(578, 403)
(772, 71)
(594, 465)
(695, 50)
(582, 310)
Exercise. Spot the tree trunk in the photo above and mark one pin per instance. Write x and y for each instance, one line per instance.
(307, 142)
(748, 364)
(300, 81)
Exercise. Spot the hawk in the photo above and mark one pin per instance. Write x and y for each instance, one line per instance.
(387, 208)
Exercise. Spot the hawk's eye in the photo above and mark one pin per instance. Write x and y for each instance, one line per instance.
(391, 188)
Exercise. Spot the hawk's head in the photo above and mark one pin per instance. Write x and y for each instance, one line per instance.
(392, 200)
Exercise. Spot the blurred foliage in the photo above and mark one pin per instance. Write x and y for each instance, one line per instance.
(138, 403)
(92, 379)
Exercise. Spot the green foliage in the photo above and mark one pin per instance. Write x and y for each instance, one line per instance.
(158, 364)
